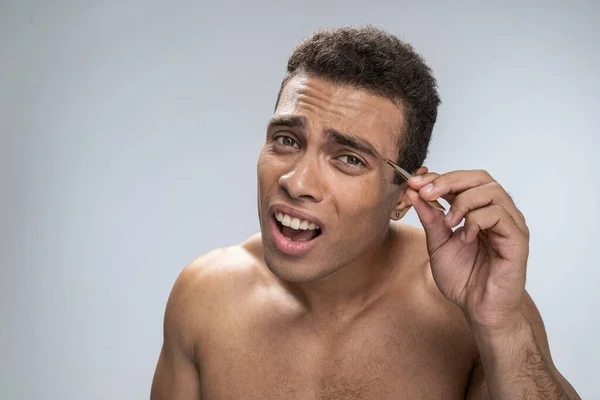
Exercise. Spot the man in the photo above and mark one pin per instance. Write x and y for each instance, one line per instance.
(335, 299)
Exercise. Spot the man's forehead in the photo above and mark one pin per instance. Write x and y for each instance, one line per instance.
(303, 84)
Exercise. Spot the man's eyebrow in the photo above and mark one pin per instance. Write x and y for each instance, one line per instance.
(290, 120)
(331, 134)
(352, 141)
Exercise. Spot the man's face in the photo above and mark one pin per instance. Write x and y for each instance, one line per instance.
(322, 165)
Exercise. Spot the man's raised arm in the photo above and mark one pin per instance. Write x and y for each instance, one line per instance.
(481, 267)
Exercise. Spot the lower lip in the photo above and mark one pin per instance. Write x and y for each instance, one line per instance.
(290, 247)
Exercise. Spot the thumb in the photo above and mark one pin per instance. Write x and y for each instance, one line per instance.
(432, 220)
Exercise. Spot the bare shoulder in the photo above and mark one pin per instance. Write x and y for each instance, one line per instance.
(210, 282)
(202, 291)
(221, 268)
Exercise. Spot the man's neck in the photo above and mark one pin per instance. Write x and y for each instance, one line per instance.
(353, 287)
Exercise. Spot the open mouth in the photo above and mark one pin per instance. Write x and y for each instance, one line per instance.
(296, 229)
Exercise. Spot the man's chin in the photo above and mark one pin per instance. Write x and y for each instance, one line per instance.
(296, 270)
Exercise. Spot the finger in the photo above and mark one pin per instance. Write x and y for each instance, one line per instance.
(416, 182)
(436, 231)
(494, 218)
(481, 196)
(419, 181)
(454, 183)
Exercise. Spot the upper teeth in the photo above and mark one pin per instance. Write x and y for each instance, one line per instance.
(295, 223)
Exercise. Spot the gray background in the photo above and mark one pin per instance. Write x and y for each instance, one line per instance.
(129, 137)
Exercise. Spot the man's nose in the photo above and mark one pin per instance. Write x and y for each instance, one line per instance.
(303, 180)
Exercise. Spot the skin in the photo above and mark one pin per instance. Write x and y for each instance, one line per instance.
(377, 309)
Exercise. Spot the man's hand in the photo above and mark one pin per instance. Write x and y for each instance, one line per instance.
(480, 266)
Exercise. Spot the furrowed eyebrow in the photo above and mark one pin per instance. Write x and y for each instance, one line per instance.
(343, 138)
(352, 141)
(292, 121)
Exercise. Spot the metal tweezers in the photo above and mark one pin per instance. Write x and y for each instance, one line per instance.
(406, 176)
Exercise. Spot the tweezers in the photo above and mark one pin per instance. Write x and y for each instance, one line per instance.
(406, 176)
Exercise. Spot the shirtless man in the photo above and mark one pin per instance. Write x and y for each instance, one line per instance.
(336, 299)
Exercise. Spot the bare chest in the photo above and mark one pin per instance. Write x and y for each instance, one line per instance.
(380, 359)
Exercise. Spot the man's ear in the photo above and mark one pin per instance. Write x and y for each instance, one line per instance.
(404, 204)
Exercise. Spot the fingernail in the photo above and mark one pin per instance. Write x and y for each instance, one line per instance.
(463, 236)
(448, 216)
(416, 178)
(427, 188)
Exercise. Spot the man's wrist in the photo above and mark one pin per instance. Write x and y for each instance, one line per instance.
(513, 362)
(514, 327)
(505, 347)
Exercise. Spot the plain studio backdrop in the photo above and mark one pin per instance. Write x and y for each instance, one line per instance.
(129, 137)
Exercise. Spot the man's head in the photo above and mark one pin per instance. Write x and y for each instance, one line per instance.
(351, 98)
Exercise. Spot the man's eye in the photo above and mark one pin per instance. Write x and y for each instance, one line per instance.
(351, 160)
(287, 141)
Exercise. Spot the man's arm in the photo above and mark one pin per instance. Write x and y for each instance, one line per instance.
(516, 364)
(177, 375)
